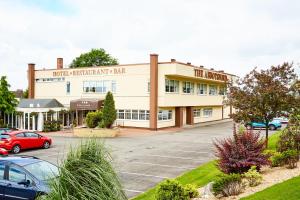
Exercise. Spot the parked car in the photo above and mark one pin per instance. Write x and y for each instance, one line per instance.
(4, 130)
(25, 177)
(273, 125)
(16, 141)
(283, 120)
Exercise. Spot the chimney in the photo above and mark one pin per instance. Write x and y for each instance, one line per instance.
(31, 80)
(188, 63)
(212, 69)
(60, 63)
(153, 91)
(173, 60)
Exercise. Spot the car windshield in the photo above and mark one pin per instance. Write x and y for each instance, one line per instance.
(4, 136)
(42, 170)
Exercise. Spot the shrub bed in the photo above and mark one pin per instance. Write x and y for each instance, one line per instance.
(50, 126)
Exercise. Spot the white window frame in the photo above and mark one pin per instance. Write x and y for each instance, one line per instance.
(169, 83)
(206, 111)
(185, 87)
(165, 115)
(210, 89)
(197, 112)
(200, 87)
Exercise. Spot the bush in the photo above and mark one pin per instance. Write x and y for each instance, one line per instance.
(109, 110)
(93, 118)
(87, 174)
(290, 158)
(289, 139)
(242, 129)
(191, 190)
(253, 177)
(238, 154)
(171, 189)
(50, 126)
(228, 185)
(277, 160)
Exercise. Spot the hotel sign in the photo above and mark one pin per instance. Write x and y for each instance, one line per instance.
(90, 72)
(210, 75)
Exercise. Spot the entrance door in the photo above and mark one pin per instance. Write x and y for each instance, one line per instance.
(178, 116)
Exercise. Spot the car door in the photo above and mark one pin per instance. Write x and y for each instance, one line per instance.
(16, 187)
(33, 140)
(21, 139)
(2, 181)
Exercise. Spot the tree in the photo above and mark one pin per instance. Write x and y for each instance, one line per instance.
(96, 57)
(264, 95)
(25, 94)
(8, 101)
(109, 110)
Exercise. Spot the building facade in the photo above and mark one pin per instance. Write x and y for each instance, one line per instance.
(150, 95)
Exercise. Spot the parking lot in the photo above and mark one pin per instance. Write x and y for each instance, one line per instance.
(143, 161)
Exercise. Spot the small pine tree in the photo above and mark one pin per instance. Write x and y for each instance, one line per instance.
(109, 110)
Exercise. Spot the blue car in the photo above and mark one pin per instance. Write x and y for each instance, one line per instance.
(273, 125)
(25, 177)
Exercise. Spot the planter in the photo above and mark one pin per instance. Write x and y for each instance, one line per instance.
(96, 132)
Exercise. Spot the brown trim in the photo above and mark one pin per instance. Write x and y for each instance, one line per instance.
(189, 115)
(178, 116)
(31, 80)
(60, 63)
(153, 91)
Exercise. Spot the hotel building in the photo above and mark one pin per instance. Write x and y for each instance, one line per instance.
(150, 95)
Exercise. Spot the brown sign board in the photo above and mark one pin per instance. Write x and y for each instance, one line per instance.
(211, 75)
(86, 104)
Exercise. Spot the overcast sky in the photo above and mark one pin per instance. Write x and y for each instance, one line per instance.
(234, 36)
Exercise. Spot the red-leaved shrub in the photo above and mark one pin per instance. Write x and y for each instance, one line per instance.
(238, 154)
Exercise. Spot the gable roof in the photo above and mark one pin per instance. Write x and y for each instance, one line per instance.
(39, 103)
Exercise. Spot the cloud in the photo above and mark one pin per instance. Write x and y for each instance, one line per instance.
(232, 35)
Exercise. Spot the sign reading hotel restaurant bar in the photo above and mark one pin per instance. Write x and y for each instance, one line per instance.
(210, 75)
(90, 72)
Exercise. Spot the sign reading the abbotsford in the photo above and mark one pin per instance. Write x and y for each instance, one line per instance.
(210, 75)
(90, 72)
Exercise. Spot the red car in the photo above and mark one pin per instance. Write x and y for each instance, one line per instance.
(16, 141)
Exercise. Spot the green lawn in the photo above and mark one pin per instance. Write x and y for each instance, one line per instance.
(201, 175)
(286, 190)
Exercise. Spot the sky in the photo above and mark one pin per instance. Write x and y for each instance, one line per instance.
(232, 35)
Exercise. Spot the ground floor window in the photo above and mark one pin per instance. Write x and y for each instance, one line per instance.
(133, 114)
(165, 115)
(197, 112)
(207, 112)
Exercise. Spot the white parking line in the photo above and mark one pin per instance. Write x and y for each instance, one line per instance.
(183, 158)
(147, 175)
(154, 164)
(135, 191)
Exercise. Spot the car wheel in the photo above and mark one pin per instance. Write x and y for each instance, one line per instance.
(248, 127)
(46, 145)
(272, 127)
(16, 149)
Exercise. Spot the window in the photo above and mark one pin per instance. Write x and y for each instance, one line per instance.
(188, 87)
(172, 86)
(165, 115)
(20, 135)
(147, 115)
(212, 90)
(197, 112)
(2, 169)
(16, 174)
(40, 80)
(31, 135)
(127, 114)
(201, 89)
(142, 114)
(121, 114)
(99, 86)
(222, 90)
(135, 114)
(42, 170)
(148, 89)
(68, 87)
(207, 112)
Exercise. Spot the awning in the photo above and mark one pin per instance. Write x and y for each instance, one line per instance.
(86, 104)
(39, 103)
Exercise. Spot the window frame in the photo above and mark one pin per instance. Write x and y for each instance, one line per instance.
(205, 112)
(190, 88)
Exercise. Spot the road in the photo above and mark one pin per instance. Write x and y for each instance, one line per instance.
(143, 161)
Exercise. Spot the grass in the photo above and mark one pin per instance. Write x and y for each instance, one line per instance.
(203, 174)
(199, 176)
(285, 190)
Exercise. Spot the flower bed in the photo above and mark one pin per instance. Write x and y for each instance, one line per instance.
(95, 132)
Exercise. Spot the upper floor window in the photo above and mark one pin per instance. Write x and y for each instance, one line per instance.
(212, 90)
(99, 86)
(222, 90)
(68, 87)
(201, 89)
(172, 86)
(188, 87)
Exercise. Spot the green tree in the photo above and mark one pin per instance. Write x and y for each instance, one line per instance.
(96, 57)
(264, 95)
(8, 101)
(109, 110)
(25, 94)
